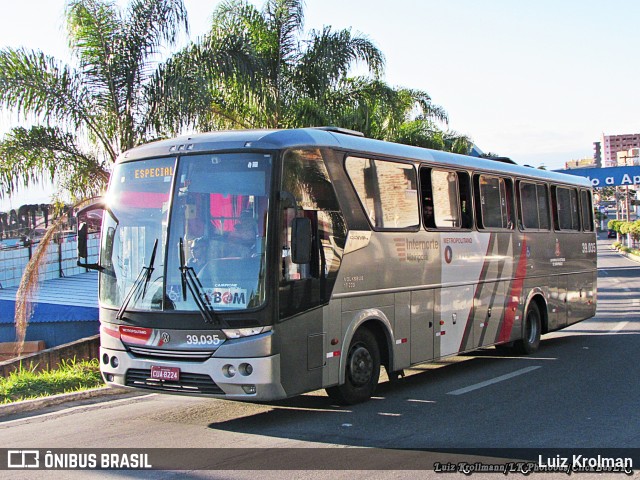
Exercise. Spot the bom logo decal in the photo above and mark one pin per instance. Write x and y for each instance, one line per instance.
(227, 297)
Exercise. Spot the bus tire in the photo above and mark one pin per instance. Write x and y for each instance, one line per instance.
(362, 370)
(531, 334)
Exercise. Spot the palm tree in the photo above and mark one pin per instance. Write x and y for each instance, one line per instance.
(292, 72)
(399, 115)
(89, 112)
(297, 80)
(92, 111)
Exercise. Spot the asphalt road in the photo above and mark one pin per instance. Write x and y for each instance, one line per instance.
(580, 390)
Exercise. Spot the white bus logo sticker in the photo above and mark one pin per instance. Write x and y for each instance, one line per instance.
(231, 297)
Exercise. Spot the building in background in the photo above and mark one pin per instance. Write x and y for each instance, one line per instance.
(595, 162)
(597, 154)
(628, 158)
(582, 163)
(612, 144)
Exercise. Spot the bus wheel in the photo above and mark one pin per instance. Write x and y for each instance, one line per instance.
(362, 370)
(532, 329)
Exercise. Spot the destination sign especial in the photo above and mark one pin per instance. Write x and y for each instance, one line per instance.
(140, 173)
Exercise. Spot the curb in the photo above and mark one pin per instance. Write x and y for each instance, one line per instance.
(630, 256)
(53, 400)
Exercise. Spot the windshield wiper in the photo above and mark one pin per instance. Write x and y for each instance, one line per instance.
(191, 282)
(139, 287)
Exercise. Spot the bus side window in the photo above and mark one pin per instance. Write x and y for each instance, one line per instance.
(387, 191)
(446, 199)
(466, 210)
(566, 208)
(308, 192)
(494, 202)
(428, 216)
(587, 210)
(543, 207)
(534, 206)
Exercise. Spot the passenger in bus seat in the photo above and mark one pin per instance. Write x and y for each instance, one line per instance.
(428, 214)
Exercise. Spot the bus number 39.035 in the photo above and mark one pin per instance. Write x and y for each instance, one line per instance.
(203, 339)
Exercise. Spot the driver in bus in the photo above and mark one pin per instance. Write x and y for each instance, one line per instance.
(227, 259)
(243, 236)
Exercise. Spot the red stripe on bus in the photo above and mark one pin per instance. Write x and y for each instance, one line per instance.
(515, 292)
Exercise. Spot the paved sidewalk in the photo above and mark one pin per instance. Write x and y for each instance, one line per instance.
(54, 400)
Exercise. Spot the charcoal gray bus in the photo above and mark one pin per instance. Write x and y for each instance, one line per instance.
(258, 265)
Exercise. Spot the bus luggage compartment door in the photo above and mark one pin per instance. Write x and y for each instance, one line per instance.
(422, 327)
(452, 312)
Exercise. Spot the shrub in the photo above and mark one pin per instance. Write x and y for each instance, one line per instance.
(614, 225)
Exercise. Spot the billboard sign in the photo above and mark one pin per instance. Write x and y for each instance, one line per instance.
(608, 177)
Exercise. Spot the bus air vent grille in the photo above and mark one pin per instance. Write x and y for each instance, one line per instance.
(189, 356)
(189, 383)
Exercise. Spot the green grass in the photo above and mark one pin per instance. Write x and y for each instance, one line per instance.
(70, 376)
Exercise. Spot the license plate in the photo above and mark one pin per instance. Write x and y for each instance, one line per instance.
(165, 373)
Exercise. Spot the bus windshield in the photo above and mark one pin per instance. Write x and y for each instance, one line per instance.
(133, 229)
(218, 218)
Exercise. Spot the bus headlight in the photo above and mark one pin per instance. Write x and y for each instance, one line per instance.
(244, 332)
(229, 371)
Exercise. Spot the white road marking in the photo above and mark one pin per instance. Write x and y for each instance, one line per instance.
(501, 378)
(618, 327)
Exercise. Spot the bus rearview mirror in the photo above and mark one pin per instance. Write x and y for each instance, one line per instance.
(82, 241)
(301, 240)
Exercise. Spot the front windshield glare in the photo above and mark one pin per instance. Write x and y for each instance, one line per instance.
(219, 219)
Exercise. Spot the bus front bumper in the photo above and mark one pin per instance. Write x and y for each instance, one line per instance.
(246, 379)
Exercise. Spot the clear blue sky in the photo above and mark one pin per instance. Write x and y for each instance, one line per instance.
(538, 81)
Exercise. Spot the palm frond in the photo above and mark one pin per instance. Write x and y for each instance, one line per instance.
(285, 19)
(28, 156)
(36, 84)
(331, 54)
(206, 79)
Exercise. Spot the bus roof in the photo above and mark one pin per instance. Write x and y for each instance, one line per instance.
(333, 138)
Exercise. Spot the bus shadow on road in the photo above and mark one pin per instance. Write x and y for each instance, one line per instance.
(296, 418)
(399, 413)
